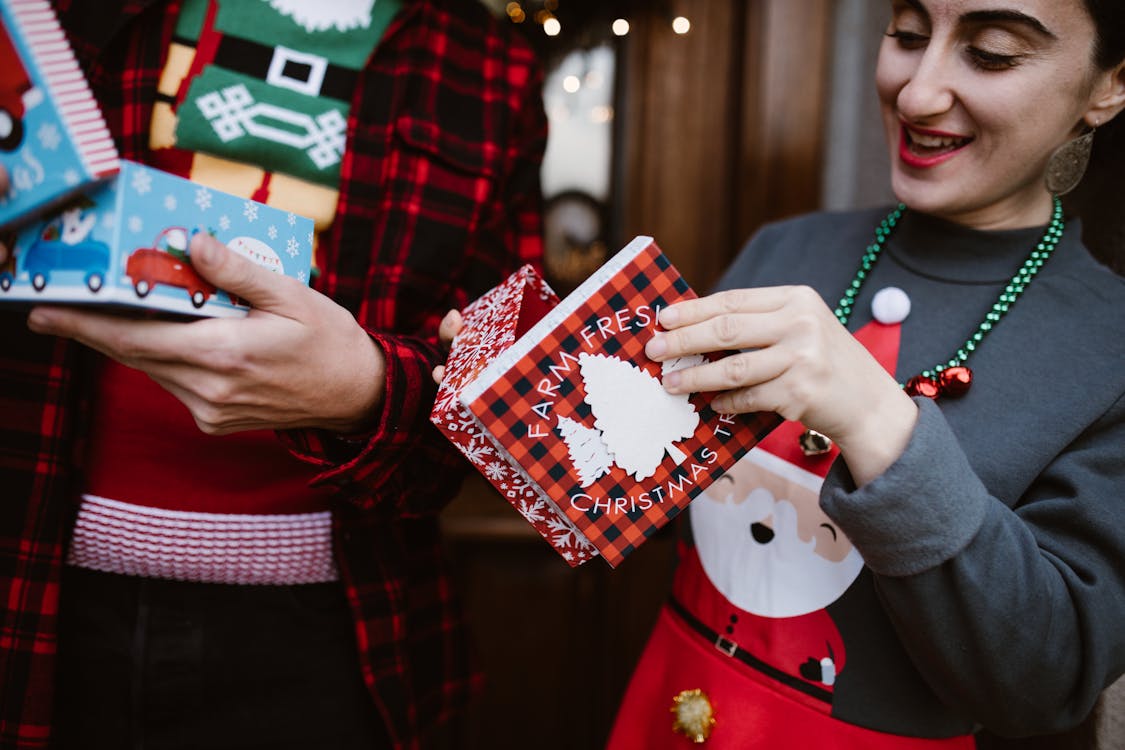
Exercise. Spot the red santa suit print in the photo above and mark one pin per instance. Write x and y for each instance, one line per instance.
(747, 625)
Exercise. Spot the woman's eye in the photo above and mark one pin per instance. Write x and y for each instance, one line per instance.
(986, 60)
(908, 39)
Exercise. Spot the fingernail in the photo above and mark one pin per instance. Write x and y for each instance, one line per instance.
(656, 347)
(672, 381)
(669, 316)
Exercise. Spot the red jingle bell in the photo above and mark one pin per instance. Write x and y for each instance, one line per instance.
(955, 381)
(922, 386)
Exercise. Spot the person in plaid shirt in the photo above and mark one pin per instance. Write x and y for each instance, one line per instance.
(434, 200)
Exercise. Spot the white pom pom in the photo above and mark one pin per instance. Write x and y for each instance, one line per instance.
(890, 305)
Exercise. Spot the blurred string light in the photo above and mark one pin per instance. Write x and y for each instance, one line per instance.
(551, 25)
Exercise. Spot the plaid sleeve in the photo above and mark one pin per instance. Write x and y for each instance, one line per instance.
(458, 209)
(35, 459)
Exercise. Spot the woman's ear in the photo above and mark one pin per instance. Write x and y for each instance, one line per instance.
(1108, 98)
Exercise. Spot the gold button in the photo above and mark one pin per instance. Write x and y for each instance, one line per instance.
(694, 715)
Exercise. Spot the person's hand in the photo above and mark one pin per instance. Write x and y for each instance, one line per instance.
(3, 191)
(297, 360)
(801, 364)
(450, 326)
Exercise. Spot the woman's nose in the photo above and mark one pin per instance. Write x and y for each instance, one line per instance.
(929, 90)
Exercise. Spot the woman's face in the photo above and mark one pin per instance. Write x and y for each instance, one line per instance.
(975, 96)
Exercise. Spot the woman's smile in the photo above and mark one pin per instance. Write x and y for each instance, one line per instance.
(921, 148)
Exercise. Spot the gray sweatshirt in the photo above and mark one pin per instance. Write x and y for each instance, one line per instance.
(994, 592)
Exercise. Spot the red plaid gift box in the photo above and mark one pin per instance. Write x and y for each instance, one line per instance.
(557, 405)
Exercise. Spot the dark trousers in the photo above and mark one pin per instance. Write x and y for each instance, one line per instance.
(164, 665)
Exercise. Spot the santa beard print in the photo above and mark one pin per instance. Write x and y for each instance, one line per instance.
(770, 575)
(325, 14)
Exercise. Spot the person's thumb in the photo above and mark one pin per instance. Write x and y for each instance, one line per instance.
(261, 288)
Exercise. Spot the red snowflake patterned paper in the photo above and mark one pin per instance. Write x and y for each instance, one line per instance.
(491, 326)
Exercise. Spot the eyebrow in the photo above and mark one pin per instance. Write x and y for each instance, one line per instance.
(999, 15)
(1008, 16)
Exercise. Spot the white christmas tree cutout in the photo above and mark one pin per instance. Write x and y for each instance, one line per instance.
(635, 420)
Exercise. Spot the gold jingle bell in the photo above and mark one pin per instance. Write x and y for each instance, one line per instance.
(694, 715)
(814, 443)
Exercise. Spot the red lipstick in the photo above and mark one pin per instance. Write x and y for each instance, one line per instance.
(917, 161)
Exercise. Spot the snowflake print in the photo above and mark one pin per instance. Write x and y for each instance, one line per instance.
(564, 534)
(477, 452)
(250, 211)
(301, 276)
(516, 487)
(71, 177)
(310, 238)
(135, 224)
(272, 232)
(446, 398)
(49, 136)
(496, 470)
(533, 511)
(224, 222)
(291, 218)
(170, 202)
(142, 182)
(292, 247)
(203, 198)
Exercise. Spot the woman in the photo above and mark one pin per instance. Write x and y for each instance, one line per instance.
(962, 568)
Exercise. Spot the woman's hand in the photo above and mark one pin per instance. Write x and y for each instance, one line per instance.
(297, 360)
(801, 364)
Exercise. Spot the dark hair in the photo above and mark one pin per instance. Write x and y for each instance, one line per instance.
(1098, 197)
(1109, 20)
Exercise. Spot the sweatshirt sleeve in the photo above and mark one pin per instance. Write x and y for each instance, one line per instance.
(1014, 615)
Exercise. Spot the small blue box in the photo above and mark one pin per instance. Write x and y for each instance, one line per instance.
(53, 140)
(126, 244)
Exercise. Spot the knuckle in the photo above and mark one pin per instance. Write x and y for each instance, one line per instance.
(215, 393)
(205, 422)
(727, 330)
(805, 295)
(731, 300)
(735, 370)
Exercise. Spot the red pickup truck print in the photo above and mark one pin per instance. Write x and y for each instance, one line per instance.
(166, 262)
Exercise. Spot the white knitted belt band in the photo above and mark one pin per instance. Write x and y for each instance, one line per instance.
(115, 537)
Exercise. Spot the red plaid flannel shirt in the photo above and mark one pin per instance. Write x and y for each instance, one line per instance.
(439, 200)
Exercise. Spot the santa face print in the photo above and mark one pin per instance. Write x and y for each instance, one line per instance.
(765, 543)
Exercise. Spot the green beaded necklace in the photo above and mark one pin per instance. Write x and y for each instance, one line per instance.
(952, 378)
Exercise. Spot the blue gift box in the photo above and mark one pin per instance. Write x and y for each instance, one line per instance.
(53, 140)
(126, 243)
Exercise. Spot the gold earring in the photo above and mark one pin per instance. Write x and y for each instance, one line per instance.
(1068, 163)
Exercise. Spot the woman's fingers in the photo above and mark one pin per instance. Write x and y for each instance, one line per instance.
(731, 372)
(732, 301)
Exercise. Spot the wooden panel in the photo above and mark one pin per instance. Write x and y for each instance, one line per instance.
(784, 91)
(678, 121)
